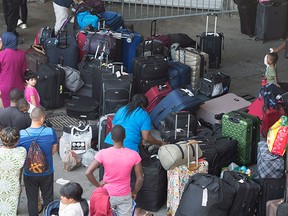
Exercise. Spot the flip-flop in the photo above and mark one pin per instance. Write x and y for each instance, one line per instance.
(147, 213)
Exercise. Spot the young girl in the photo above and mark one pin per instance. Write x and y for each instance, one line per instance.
(30, 92)
(72, 203)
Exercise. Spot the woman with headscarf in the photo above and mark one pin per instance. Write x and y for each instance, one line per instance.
(12, 67)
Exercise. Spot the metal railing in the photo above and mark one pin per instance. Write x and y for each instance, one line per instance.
(136, 10)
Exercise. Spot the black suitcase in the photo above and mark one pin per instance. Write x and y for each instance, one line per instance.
(116, 90)
(50, 85)
(149, 71)
(207, 195)
(211, 43)
(271, 20)
(82, 107)
(247, 193)
(247, 13)
(150, 47)
(56, 50)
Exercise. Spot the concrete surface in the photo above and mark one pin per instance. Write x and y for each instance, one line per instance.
(242, 59)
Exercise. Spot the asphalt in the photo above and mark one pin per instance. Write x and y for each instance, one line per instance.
(242, 60)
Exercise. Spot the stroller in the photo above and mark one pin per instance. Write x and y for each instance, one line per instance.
(52, 209)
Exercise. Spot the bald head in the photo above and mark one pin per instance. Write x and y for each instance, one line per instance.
(37, 114)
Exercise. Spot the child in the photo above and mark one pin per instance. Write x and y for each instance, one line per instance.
(30, 91)
(271, 70)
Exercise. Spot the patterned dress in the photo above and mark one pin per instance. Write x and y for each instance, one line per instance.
(11, 162)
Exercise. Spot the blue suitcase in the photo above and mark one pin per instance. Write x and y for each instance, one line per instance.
(112, 19)
(179, 75)
(130, 41)
(177, 100)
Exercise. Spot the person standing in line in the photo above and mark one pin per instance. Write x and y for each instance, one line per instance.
(11, 14)
(10, 186)
(12, 66)
(46, 138)
(118, 163)
(61, 10)
(22, 21)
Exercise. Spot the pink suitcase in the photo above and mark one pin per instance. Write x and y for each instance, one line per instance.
(156, 94)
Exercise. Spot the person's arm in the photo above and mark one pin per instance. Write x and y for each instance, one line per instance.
(33, 100)
(148, 137)
(54, 148)
(89, 173)
(139, 180)
(278, 49)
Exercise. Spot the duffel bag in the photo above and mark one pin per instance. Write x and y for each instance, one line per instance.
(73, 80)
(173, 155)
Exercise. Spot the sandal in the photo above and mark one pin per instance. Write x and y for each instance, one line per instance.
(143, 213)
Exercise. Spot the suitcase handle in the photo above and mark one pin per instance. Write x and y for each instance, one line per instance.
(146, 42)
(153, 28)
(215, 23)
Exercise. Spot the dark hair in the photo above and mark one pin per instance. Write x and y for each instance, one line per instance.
(273, 57)
(9, 136)
(30, 75)
(118, 133)
(138, 101)
(37, 113)
(15, 94)
(22, 104)
(74, 190)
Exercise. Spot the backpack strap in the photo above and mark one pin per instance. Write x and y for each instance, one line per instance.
(38, 134)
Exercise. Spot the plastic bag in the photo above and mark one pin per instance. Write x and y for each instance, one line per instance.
(71, 161)
(88, 157)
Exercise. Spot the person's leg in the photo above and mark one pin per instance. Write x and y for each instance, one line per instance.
(122, 204)
(24, 11)
(5, 10)
(61, 14)
(47, 189)
(32, 187)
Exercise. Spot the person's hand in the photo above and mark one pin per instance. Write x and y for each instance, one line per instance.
(102, 183)
(163, 143)
(134, 195)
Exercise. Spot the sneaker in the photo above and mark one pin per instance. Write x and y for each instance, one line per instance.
(23, 26)
(19, 22)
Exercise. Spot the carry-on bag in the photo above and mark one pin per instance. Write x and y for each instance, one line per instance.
(179, 74)
(212, 110)
(156, 94)
(215, 84)
(271, 20)
(176, 100)
(206, 195)
(112, 19)
(35, 56)
(43, 34)
(211, 43)
(50, 85)
(247, 193)
(151, 47)
(73, 80)
(164, 38)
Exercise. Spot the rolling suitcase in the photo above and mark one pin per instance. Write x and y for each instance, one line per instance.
(247, 194)
(240, 127)
(179, 74)
(211, 43)
(271, 20)
(148, 71)
(82, 107)
(212, 110)
(35, 56)
(50, 85)
(176, 100)
(105, 126)
(156, 94)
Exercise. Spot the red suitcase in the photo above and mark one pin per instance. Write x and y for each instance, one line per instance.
(156, 94)
(270, 116)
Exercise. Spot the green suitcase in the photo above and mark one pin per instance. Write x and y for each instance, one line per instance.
(246, 130)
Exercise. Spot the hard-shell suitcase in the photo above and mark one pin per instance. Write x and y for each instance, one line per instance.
(271, 20)
(207, 195)
(247, 193)
(179, 74)
(177, 179)
(35, 56)
(148, 71)
(198, 62)
(82, 107)
(247, 13)
(156, 94)
(212, 110)
(50, 85)
(176, 100)
(211, 43)
(215, 84)
(239, 127)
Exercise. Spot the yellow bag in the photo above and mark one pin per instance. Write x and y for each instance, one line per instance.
(272, 134)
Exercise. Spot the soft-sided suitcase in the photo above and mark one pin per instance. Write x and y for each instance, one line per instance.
(247, 193)
(176, 100)
(211, 43)
(206, 195)
(35, 56)
(112, 19)
(82, 107)
(240, 127)
(271, 20)
(212, 110)
(198, 62)
(247, 13)
(150, 47)
(148, 71)
(156, 94)
(179, 74)
(43, 34)
(215, 84)
(50, 85)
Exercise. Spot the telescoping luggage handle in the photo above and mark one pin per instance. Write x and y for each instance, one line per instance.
(215, 23)
(176, 125)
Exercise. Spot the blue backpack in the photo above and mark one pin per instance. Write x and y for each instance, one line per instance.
(85, 19)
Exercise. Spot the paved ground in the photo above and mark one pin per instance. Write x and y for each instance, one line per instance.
(242, 60)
